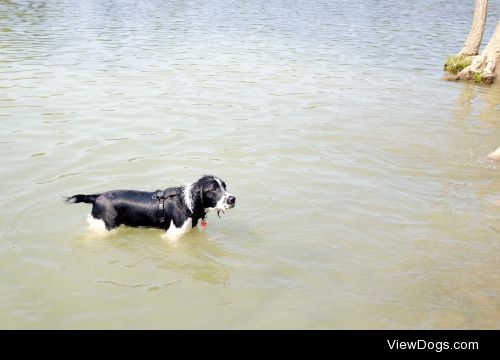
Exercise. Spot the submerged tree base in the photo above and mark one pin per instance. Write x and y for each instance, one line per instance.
(483, 68)
(459, 67)
(480, 70)
(457, 63)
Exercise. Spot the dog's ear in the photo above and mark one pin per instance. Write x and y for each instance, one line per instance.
(197, 196)
(200, 195)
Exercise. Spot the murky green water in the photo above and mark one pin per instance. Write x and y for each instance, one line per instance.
(364, 196)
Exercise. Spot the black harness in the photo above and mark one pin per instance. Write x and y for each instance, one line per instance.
(161, 196)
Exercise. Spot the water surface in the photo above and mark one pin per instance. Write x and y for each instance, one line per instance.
(364, 196)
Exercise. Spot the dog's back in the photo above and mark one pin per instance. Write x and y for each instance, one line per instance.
(130, 207)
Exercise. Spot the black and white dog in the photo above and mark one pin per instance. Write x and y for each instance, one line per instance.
(176, 210)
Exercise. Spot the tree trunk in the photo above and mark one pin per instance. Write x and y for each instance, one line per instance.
(473, 42)
(484, 67)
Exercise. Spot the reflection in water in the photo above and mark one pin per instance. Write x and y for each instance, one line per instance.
(196, 256)
(471, 96)
(200, 259)
(465, 102)
(491, 107)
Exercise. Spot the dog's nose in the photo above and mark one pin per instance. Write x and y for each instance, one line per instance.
(231, 200)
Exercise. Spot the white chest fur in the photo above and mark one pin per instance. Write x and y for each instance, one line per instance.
(174, 233)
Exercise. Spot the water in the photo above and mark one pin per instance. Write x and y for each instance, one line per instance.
(364, 196)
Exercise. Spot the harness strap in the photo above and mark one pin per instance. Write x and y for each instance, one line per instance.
(161, 207)
(160, 196)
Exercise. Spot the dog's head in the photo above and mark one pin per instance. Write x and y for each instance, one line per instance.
(210, 193)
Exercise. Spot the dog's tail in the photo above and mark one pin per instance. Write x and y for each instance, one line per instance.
(90, 199)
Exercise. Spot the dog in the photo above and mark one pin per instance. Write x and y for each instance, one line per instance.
(176, 210)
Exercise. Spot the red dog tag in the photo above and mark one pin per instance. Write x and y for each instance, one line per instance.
(203, 224)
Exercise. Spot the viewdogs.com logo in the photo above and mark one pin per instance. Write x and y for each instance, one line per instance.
(437, 346)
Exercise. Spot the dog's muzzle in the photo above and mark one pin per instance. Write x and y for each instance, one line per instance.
(230, 201)
(226, 202)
